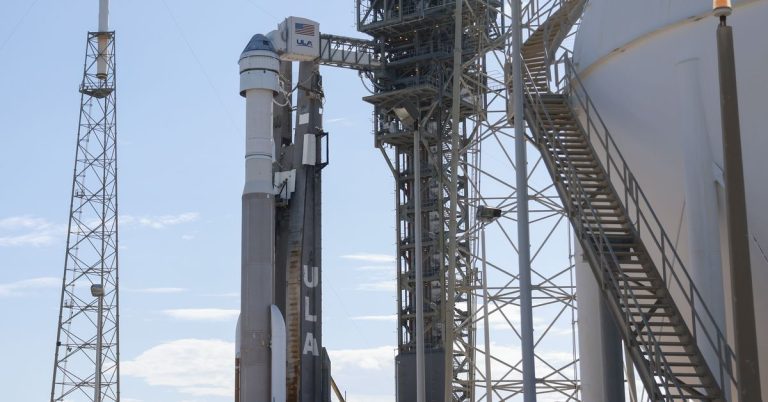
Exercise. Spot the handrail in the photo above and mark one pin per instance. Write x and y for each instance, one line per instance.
(646, 223)
(598, 237)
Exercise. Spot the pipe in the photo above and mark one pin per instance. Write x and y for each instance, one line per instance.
(523, 235)
(99, 347)
(101, 59)
(418, 263)
(454, 201)
(258, 83)
(486, 321)
(337, 391)
(745, 333)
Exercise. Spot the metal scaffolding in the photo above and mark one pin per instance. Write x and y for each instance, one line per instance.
(443, 85)
(86, 365)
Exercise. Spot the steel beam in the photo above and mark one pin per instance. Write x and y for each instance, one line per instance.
(523, 235)
(745, 333)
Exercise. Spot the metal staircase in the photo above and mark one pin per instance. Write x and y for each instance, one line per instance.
(553, 20)
(662, 317)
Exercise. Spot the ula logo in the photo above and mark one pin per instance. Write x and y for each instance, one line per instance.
(305, 43)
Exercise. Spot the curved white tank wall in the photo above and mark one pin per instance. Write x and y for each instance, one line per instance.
(651, 68)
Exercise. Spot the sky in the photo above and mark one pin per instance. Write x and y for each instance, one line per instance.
(180, 144)
(180, 140)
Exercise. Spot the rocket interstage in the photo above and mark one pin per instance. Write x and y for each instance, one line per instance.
(261, 355)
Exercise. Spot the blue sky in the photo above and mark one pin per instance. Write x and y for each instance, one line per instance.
(180, 130)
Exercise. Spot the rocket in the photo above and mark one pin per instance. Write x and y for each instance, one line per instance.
(261, 328)
(279, 353)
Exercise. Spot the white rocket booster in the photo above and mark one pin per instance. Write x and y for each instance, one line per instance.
(262, 337)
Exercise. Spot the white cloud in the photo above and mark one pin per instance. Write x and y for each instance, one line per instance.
(508, 316)
(20, 288)
(500, 318)
(376, 268)
(202, 314)
(378, 358)
(343, 121)
(158, 290)
(390, 317)
(187, 237)
(506, 362)
(19, 231)
(352, 396)
(26, 222)
(225, 294)
(160, 221)
(379, 286)
(369, 257)
(198, 367)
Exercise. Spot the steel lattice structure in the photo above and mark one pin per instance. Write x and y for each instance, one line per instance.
(447, 142)
(86, 366)
(498, 360)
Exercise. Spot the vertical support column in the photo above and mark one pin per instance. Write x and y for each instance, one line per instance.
(600, 348)
(101, 73)
(453, 196)
(745, 333)
(418, 264)
(486, 321)
(523, 235)
(99, 293)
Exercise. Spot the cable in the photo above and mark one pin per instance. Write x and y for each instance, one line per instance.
(364, 84)
(200, 65)
(262, 8)
(281, 90)
(18, 24)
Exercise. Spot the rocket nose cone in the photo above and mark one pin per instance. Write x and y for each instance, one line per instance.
(259, 42)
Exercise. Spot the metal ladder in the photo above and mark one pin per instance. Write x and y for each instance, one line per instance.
(643, 279)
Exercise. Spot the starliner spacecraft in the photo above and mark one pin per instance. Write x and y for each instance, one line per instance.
(279, 353)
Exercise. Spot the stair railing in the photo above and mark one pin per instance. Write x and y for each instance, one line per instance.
(702, 324)
(547, 15)
(580, 206)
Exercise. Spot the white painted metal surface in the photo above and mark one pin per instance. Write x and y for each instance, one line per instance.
(279, 351)
(101, 61)
(258, 83)
(651, 69)
(297, 39)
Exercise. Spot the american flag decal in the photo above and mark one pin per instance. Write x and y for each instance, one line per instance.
(305, 29)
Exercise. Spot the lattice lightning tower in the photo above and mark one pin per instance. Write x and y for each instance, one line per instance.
(86, 366)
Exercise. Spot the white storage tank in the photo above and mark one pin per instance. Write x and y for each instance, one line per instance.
(650, 67)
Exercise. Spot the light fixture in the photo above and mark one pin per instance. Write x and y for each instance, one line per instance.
(488, 214)
(97, 290)
(722, 8)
